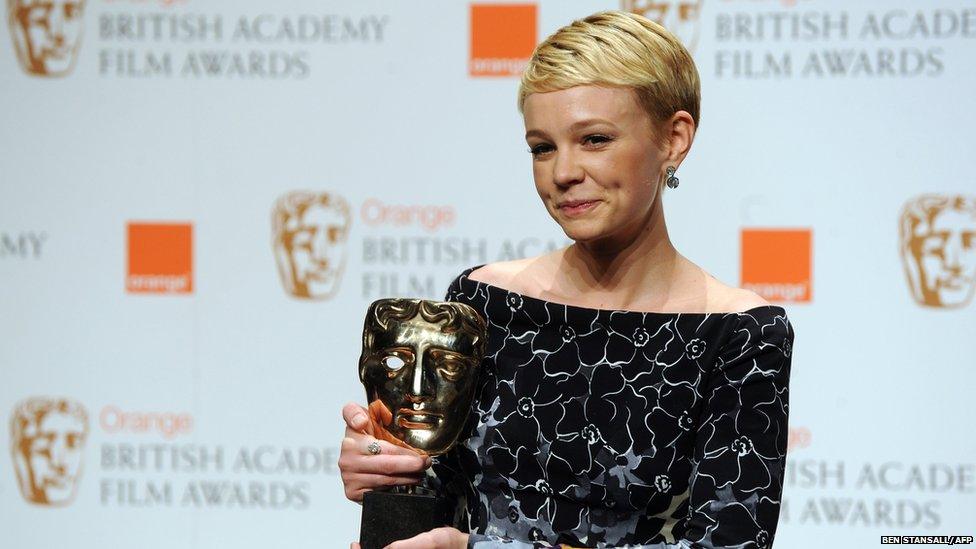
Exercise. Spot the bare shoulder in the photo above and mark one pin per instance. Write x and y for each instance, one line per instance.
(516, 275)
(722, 297)
(498, 273)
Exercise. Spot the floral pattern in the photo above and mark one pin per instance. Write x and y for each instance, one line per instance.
(621, 428)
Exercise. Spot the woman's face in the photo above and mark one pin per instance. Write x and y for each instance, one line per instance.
(594, 160)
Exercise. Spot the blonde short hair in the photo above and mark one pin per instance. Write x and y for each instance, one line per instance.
(615, 48)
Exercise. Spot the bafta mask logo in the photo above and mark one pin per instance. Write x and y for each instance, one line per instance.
(938, 249)
(47, 440)
(419, 367)
(309, 240)
(678, 16)
(46, 34)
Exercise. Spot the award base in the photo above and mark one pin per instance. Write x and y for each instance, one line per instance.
(390, 516)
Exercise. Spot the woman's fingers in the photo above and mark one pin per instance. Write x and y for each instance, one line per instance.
(356, 418)
(367, 463)
(356, 460)
(363, 444)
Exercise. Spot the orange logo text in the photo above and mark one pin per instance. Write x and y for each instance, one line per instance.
(114, 420)
(375, 213)
(777, 263)
(503, 37)
(160, 258)
(799, 437)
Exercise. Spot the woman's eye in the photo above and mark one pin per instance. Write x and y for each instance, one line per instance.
(596, 139)
(394, 362)
(540, 149)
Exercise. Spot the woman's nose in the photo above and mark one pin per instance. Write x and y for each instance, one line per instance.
(566, 169)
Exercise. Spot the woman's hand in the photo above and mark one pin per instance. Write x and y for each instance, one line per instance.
(363, 470)
(438, 538)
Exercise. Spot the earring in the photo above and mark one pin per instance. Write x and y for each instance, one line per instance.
(671, 181)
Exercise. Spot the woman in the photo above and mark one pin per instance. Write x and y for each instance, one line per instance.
(628, 398)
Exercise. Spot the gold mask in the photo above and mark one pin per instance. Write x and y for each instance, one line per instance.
(310, 233)
(46, 34)
(938, 249)
(47, 440)
(419, 366)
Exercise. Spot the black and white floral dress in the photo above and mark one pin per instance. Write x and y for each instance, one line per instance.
(602, 428)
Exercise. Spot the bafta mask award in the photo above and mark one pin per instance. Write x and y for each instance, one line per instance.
(419, 366)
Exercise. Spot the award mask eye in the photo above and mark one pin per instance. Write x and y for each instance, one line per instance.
(450, 367)
(394, 363)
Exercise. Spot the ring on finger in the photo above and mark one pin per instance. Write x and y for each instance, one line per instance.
(374, 448)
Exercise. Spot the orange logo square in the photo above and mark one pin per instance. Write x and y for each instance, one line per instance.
(160, 258)
(502, 38)
(778, 263)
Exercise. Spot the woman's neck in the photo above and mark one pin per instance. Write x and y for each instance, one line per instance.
(636, 269)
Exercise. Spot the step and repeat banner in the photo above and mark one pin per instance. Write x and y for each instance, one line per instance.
(200, 198)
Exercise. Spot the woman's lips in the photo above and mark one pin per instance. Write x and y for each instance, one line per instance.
(577, 207)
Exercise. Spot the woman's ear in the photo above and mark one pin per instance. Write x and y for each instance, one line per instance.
(680, 132)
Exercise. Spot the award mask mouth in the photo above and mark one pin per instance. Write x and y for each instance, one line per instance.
(418, 419)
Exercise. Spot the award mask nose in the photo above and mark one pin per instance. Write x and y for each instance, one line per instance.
(422, 385)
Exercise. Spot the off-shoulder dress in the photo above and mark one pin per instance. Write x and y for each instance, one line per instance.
(610, 428)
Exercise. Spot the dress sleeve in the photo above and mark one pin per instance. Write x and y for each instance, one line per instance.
(454, 289)
(740, 447)
(482, 541)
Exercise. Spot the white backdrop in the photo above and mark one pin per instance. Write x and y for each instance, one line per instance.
(213, 411)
